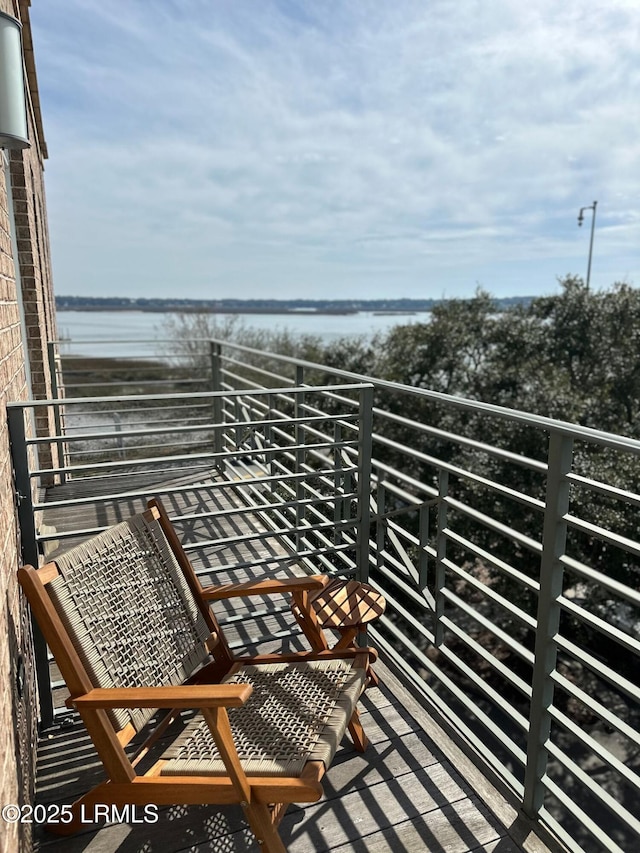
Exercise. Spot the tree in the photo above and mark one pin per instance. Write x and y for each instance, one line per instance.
(574, 356)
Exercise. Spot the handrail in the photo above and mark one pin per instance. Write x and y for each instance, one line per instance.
(186, 396)
(515, 415)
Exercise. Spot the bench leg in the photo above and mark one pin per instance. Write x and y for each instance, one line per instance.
(260, 820)
(360, 740)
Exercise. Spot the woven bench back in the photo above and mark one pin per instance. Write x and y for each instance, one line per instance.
(129, 611)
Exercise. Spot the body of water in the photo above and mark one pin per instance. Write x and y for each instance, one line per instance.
(88, 330)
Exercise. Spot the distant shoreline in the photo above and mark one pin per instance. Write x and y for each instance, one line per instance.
(172, 309)
(282, 307)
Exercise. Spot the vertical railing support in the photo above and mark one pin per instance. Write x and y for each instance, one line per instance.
(381, 522)
(268, 435)
(29, 548)
(340, 513)
(215, 357)
(53, 371)
(554, 537)
(57, 413)
(423, 557)
(365, 445)
(238, 431)
(441, 553)
(117, 426)
(299, 434)
(24, 498)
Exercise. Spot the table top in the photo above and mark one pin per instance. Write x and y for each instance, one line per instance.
(346, 604)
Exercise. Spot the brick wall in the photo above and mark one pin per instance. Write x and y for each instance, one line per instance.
(35, 274)
(18, 715)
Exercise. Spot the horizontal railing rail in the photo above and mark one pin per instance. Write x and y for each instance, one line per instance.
(508, 549)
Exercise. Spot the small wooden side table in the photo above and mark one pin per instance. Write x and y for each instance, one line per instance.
(346, 607)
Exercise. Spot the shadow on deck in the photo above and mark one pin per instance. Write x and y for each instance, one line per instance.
(412, 790)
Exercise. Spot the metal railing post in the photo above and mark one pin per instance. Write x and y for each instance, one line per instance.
(268, 435)
(215, 357)
(381, 522)
(29, 548)
(554, 537)
(423, 557)
(57, 418)
(238, 424)
(365, 445)
(299, 434)
(441, 553)
(117, 426)
(340, 509)
(53, 370)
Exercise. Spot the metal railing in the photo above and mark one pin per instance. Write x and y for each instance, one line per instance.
(132, 368)
(514, 607)
(507, 547)
(262, 483)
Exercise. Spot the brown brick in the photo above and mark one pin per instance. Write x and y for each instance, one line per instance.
(18, 715)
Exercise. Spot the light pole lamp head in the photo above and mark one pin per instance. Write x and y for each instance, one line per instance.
(13, 105)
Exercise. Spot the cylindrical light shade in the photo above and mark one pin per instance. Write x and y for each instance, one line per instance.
(13, 107)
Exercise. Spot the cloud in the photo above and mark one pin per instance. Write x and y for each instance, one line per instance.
(257, 148)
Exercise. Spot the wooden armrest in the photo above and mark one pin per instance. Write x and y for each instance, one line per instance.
(267, 587)
(182, 696)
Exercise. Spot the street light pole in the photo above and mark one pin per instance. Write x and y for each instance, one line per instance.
(593, 226)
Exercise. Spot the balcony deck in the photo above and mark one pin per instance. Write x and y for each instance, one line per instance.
(413, 790)
(505, 543)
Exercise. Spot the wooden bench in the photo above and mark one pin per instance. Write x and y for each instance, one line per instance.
(132, 632)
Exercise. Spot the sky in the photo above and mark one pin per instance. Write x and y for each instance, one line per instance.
(343, 149)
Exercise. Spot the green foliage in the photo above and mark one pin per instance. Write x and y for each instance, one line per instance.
(355, 355)
(573, 356)
(447, 354)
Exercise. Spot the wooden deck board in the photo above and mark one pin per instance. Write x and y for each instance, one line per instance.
(412, 790)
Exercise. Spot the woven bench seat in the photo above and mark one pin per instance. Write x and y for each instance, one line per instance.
(298, 712)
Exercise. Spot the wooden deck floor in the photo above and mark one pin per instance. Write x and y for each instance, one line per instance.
(404, 794)
(412, 790)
